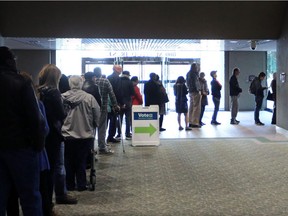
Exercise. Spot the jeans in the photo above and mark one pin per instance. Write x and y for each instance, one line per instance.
(21, 167)
(258, 101)
(55, 151)
(128, 113)
(234, 107)
(216, 102)
(76, 153)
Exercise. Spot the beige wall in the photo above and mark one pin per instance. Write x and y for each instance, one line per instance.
(282, 88)
(249, 63)
(32, 61)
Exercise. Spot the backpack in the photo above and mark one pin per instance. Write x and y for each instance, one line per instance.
(253, 87)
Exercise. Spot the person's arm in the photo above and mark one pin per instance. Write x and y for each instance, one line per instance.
(34, 119)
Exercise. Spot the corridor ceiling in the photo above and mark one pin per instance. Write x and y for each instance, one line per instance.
(136, 25)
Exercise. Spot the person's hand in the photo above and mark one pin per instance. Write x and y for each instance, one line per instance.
(116, 108)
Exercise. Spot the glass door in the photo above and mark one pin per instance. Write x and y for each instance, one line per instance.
(106, 65)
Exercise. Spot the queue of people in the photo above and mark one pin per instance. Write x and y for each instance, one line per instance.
(48, 130)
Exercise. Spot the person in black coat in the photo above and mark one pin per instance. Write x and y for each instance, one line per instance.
(91, 87)
(216, 96)
(235, 91)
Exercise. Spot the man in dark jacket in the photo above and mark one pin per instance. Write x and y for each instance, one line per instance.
(115, 81)
(91, 87)
(21, 137)
(235, 91)
(259, 95)
(127, 91)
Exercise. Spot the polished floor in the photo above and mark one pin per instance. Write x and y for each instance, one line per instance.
(225, 170)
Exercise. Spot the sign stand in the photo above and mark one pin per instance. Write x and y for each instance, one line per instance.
(145, 125)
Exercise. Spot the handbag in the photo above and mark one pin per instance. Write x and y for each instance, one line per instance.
(270, 96)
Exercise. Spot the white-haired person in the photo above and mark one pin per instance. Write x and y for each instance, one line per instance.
(83, 113)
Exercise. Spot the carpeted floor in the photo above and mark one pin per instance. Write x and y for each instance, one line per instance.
(197, 177)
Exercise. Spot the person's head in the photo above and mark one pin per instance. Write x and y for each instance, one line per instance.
(202, 75)
(126, 74)
(135, 80)
(117, 69)
(97, 71)
(49, 75)
(7, 58)
(213, 74)
(89, 76)
(75, 82)
(152, 76)
(261, 75)
(236, 71)
(64, 84)
(194, 67)
(180, 80)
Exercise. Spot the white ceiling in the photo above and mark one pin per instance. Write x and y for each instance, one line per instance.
(135, 44)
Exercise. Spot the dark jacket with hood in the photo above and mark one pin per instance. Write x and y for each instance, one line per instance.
(22, 124)
(90, 87)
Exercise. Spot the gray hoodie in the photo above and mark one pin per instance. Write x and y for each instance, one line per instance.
(83, 114)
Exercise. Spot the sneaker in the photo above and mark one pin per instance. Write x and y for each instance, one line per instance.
(215, 123)
(234, 122)
(259, 123)
(181, 128)
(118, 137)
(66, 199)
(162, 129)
(105, 151)
(188, 129)
(128, 137)
(195, 126)
(112, 140)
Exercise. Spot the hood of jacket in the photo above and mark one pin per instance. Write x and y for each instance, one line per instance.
(73, 97)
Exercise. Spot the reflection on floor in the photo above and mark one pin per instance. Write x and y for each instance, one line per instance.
(223, 170)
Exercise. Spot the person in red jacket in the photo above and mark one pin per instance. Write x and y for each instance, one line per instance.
(137, 99)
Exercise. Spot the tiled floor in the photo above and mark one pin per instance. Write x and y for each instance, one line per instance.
(246, 128)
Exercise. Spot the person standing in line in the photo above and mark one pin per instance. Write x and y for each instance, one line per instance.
(79, 127)
(115, 81)
(204, 93)
(127, 91)
(163, 99)
(259, 95)
(274, 87)
(91, 87)
(235, 91)
(137, 99)
(50, 95)
(194, 87)
(216, 96)
(22, 137)
(106, 91)
(152, 92)
(180, 92)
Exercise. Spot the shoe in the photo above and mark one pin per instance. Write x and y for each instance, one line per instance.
(66, 199)
(82, 189)
(237, 121)
(202, 123)
(118, 137)
(162, 129)
(259, 123)
(105, 151)
(195, 126)
(215, 123)
(112, 140)
(234, 122)
(188, 129)
(190, 125)
(181, 128)
(128, 137)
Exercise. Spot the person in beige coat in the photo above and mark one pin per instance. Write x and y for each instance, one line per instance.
(83, 113)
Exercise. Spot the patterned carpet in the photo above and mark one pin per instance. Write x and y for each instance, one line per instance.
(195, 177)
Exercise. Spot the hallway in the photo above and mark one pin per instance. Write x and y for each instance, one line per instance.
(224, 170)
